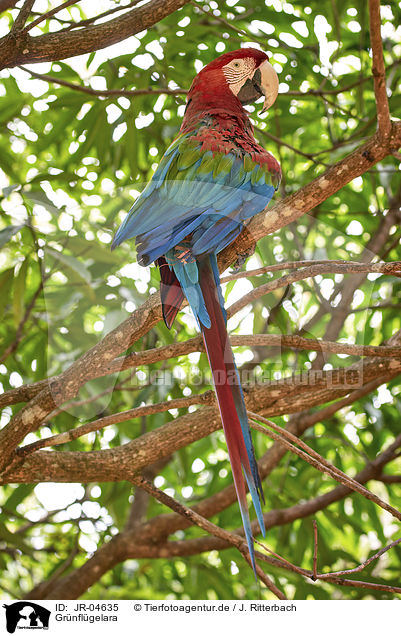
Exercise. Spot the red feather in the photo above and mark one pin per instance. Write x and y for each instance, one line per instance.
(226, 383)
(209, 91)
(170, 291)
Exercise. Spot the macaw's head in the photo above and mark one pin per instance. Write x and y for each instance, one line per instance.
(235, 79)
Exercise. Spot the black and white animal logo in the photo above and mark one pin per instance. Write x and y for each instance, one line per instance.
(26, 615)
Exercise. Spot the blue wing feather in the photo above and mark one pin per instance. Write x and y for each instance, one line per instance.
(163, 212)
(194, 193)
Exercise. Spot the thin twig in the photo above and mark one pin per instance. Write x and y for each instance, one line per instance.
(308, 272)
(316, 460)
(114, 92)
(95, 18)
(206, 525)
(314, 522)
(280, 142)
(20, 329)
(333, 577)
(362, 565)
(49, 14)
(329, 578)
(287, 564)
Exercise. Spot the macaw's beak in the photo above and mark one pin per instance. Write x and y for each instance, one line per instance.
(264, 81)
(268, 84)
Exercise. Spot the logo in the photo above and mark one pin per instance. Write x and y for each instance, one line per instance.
(26, 615)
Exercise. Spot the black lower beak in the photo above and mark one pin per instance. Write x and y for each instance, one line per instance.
(251, 90)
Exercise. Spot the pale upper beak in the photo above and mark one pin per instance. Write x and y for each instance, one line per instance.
(268, 85)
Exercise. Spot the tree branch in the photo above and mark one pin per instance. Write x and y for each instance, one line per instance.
(304, 200)
(378, 70)
(332, 577)
(269, 399)
(21, 18)
(7, 4)
(49, 14)
(209, 527)
(350, 267)
(116, 418)
(318, 462)
(114, 92)
(95, 18)
(147, 542)
(314, 270)
(57, 46)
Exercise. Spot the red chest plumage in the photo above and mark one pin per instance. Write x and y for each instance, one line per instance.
(223, 132)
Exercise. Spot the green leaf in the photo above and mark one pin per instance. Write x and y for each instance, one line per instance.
(19, 292)
(13, 540)
(6, 281)
(19, 493)
(70, 261)
(8, 232)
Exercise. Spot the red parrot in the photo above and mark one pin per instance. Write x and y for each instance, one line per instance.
(211, 179)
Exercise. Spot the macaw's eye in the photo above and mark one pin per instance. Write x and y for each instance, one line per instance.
(236, 64)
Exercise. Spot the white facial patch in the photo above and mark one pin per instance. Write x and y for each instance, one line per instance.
(238, 71)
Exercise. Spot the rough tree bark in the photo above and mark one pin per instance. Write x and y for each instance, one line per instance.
(18, 47)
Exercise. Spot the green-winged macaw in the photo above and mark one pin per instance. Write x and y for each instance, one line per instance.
(211, 179)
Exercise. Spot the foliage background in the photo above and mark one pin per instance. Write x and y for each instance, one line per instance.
(70, 163)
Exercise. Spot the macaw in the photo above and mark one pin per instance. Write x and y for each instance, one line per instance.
(211, 179)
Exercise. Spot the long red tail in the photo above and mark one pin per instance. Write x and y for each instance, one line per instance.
(230, 399)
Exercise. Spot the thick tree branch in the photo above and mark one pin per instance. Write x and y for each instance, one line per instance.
(7, 4)
(314, 193)
(268, 399)
(56, 46)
